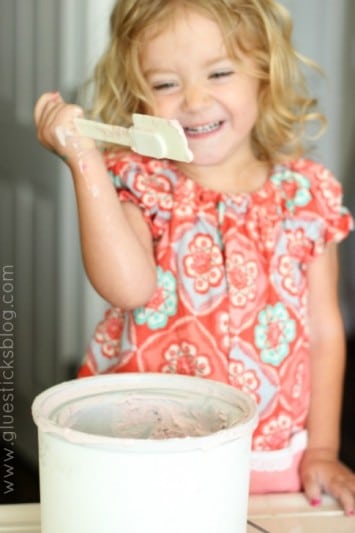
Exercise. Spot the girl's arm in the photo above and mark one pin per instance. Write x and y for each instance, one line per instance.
(320, 469)
(327, 349)
(116, 242)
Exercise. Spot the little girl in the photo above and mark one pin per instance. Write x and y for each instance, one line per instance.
(224, 268)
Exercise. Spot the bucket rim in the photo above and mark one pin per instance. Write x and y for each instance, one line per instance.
(48, 401)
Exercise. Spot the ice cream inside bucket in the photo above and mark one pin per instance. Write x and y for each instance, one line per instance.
(144, 453)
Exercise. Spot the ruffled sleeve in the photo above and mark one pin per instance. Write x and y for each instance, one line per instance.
(147, 183)
(319, 203)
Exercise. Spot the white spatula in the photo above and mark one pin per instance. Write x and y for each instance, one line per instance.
(150, 136)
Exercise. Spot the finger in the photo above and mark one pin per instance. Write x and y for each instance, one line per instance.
(43, 102)
(343, 490)
(45, 112)
(55, 120)
(312, 489)
(61, 114)
(346, 500)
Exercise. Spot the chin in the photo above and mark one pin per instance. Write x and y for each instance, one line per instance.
(207, 160)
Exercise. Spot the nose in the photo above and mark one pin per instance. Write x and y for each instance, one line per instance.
(196, 97)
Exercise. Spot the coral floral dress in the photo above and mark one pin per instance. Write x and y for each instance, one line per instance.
(231, 301)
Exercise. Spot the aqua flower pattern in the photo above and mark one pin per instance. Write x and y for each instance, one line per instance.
(116, 180)
(274, 333)
(296, 188)
(162, 305)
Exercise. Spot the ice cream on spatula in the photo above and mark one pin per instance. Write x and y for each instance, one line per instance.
(150, 136)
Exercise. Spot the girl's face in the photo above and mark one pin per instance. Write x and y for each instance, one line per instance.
(194, 80)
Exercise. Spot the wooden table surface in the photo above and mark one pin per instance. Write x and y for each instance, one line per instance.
(277, 513)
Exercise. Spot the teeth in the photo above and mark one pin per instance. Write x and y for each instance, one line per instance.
(207, 128)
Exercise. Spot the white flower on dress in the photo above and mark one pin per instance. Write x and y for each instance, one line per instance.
(204, 263)
(183, 358)
(275, 434)
(245, 380)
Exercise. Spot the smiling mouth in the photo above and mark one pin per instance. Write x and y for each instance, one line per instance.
(201, 130)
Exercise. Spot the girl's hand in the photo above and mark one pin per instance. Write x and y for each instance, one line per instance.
(321, 472)
(56, 131)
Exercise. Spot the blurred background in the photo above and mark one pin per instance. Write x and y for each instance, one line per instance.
(48, 45)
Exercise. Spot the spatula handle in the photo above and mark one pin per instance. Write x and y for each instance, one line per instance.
(103, 132)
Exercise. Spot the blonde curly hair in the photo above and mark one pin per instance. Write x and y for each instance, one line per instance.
(261, 29)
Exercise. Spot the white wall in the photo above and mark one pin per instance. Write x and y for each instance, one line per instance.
(323, 33)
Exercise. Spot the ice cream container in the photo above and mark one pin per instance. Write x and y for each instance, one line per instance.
(144, 453)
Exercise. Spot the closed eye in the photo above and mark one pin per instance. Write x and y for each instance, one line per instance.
(221, 74)
(164, 86)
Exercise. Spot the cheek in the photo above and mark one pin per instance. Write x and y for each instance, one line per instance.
(254, 93)
(249, 101)
(148, 105)
(165, 107)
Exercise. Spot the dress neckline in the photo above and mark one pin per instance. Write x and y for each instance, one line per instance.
(201, 190)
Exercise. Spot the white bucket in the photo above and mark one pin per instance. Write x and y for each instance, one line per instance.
(114, 456)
